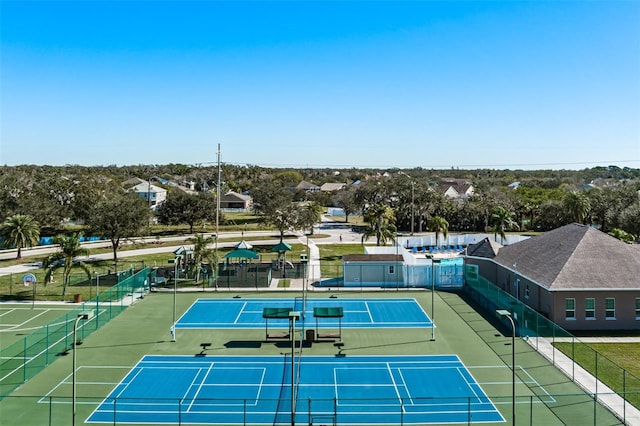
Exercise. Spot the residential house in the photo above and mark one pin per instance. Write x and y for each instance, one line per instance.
(577, 276)
(155, 195)
(456, 188)
(232, 201)
(307, 186)
(332, 186)
(129, 183)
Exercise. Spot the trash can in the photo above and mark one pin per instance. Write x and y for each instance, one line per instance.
(77, 298)
(310, 335)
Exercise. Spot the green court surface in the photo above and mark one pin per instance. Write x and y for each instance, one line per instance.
(544, 395)
(19, 319)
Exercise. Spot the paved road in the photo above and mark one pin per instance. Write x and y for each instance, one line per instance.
(327, 232)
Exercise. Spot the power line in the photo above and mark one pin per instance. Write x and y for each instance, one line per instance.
(604, 163)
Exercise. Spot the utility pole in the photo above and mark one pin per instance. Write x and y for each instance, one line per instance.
(218, 199)
(412, 205)
(217, 217)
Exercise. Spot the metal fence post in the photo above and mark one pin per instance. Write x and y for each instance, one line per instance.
(46, 351)
(624, 395)
(596, 354)
(573, 359)
(24, 360)
(66, 330)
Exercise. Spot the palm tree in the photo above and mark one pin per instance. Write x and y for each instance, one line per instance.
(20, 231)
(502, 220)
(310, 214)
(70, 248)
(380, 218)
(439, 224)
(203, 254)
(578, 205)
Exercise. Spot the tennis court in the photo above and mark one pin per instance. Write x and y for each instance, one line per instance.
(327, 390)
(358, 313)
(19, 319)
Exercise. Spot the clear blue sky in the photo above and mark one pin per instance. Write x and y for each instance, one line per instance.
(504, 84)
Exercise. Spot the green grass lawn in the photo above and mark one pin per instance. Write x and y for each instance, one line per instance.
(615, 364)
(331, 257)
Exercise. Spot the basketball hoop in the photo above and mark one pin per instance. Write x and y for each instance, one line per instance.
(27, 279)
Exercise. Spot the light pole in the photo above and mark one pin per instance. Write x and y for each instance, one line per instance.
(434, 262)
(306, 279)
(412, 206)
(293, 316)
(412, 198)
(97, 296)
(398, 235)
(516, 283)
(82, 316)
(175, 262)
(503, 313)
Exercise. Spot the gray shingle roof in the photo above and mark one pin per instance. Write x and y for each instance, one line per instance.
(575, 257)
(484, 248)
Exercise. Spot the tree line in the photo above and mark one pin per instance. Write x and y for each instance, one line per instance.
(390, 200)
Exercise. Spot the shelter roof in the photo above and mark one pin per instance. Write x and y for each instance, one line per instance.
(273, 312)
(242, 254)
(328, 312)
(281, 247)
(243, 245)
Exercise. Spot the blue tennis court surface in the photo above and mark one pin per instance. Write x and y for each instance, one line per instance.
(358, 313)
(257, 390)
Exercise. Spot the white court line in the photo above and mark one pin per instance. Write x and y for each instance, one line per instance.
(25, 322)
(244, 305)
(538, 385)
(8, 312)
(195, 395)
(260, 385)
(36, 355)
(366, 304)
(493, 406)
(533, 381)
(406, 388)
(126, 385)
(469, 385)
(395, 386)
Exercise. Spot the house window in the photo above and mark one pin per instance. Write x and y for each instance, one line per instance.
(392, 270)
(570, 308)
(590, 308)
(638, 308)
(526, 291)
(610, 308)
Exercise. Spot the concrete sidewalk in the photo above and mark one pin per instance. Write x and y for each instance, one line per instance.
(605, 395)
